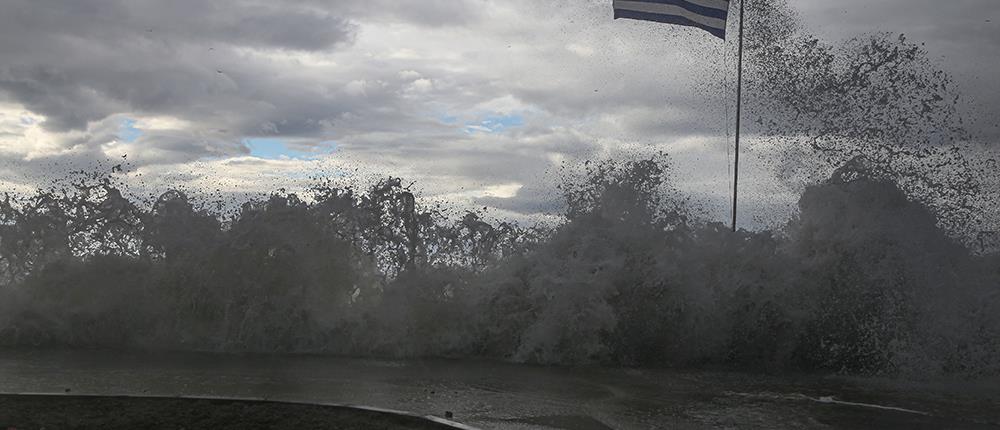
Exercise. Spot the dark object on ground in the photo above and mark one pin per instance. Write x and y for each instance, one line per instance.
(113, 413)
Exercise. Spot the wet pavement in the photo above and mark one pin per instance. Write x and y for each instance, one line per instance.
(492, 395)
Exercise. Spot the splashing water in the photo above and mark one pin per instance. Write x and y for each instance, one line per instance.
(864, 280)
(875, 275)
(874, 99)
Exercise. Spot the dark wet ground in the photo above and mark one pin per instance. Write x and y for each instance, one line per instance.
(66, 411)
(504, 396)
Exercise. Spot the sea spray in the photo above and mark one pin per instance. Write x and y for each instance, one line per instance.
(876, 274)
(862, 281)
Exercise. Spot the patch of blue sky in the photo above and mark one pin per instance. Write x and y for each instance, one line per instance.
(128, 132)
(495, 123)
(278, 149)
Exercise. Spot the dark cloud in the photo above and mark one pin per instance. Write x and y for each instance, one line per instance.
(76, 62)
(79, 62)
(117, 22)
(531, 199)
(434, 13)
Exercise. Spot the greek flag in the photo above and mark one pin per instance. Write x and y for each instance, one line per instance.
(708, 15)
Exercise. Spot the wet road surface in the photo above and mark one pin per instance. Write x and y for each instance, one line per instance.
(492, 395)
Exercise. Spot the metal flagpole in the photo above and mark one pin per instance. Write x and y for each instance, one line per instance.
(739, 106)
(712, 16)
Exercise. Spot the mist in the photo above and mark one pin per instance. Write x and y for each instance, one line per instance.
(864, 280)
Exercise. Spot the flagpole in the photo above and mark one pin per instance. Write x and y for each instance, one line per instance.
(739, 107)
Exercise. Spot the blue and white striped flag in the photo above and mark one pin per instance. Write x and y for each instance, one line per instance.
(708, 15)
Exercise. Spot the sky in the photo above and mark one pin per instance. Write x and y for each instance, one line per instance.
(481, 103)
